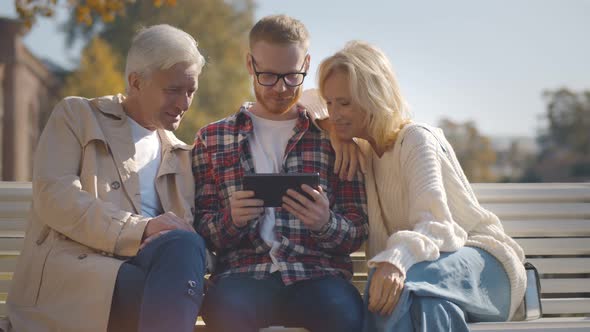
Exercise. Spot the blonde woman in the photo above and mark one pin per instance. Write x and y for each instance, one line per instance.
(437, 259)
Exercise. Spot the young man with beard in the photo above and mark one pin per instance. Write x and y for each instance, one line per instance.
(277, 266)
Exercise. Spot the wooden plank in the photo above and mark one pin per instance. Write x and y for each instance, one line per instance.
(547, 228)
(9, 245)
(12, 224)
(8, 263)
(524, 211)
(561, 265)
(557, 324)
(566, 306)
(556, 246)
(2, 309)
(5, 286)
(15, 191)
(532, 192)
(566, 285)
(10, 209)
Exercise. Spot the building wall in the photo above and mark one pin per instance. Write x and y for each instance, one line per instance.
(28, 91)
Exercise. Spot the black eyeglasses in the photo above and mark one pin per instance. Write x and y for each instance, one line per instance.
(270, 79)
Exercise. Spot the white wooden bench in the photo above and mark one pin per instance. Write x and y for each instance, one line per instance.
(550, 221)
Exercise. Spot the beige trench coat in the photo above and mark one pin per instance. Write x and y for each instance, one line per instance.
(85, 215)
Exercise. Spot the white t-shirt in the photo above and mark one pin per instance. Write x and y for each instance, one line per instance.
(147, 158)
(268, 144)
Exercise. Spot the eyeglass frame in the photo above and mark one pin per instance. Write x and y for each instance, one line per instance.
(278, 76)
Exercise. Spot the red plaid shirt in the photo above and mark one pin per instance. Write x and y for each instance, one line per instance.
(222, 156)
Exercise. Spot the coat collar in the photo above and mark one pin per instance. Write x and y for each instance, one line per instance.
(120, 142)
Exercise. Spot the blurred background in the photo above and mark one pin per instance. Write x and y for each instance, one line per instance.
(509, 82)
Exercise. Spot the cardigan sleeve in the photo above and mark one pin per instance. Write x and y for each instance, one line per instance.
(315, 106)
(432, 226)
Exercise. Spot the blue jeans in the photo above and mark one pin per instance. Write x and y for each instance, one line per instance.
(468, 285)
(161, 288)
(238, 303)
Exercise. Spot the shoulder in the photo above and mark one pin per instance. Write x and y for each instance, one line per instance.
(217, 132)
(74, 112)
(420, 134)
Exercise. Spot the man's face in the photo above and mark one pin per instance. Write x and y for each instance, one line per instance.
(165, 96)
(278, 59)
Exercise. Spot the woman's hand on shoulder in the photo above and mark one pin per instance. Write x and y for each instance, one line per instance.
(386, 287)
(349, 158)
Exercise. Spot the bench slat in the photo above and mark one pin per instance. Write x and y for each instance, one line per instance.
(9, 245)
(547, 228)
(548, 286)
(12, 209)
(506, 211)
(557, 324)
(5, 286)
(557, 246)
(13, 224)
(564, 286)
(532, 192)
(8, 263)
(566, 306)
(15, 191)
(561, 265)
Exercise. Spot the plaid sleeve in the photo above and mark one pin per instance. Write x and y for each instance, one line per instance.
(349, 226)
(212, 221)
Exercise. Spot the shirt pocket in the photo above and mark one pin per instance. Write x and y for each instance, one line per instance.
(228, 173)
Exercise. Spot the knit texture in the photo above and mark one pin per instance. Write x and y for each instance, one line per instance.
(422, 204)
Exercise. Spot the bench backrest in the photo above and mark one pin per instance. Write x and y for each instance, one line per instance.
(550, 221)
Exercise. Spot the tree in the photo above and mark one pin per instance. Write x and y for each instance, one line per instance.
(474, 151)
(98, 73)
(221, 29)
(87, 11)
(565, 142)
(568, 117)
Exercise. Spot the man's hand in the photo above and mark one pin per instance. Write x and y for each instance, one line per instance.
(244, 207)
(162, 224)
(387, 284)
(313, 213)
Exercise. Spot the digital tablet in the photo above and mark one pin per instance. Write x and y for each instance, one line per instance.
(271, 187)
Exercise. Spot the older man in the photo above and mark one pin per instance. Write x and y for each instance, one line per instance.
(110, 243)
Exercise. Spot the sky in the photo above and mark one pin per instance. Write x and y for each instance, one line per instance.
(485, 61)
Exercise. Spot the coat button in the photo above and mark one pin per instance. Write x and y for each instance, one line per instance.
(82, 256)
(115, 185)
(192, 283)
(191, 292)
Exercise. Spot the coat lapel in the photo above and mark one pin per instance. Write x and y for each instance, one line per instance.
(118, 136)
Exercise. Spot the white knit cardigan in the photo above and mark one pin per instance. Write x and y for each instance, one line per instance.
(420, 203)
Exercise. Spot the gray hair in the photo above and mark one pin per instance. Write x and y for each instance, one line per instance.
(160, 47)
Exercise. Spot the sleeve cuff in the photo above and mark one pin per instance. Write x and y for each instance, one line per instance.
(400, 257)
(330, 231)
(130, 236)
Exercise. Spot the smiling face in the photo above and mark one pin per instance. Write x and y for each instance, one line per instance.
(347, 118)
(165, 96)
(267, 57)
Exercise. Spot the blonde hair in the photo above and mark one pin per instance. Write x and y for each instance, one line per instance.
(373, 87)
(279, 29)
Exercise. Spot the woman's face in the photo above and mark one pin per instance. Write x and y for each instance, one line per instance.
(347, 119)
